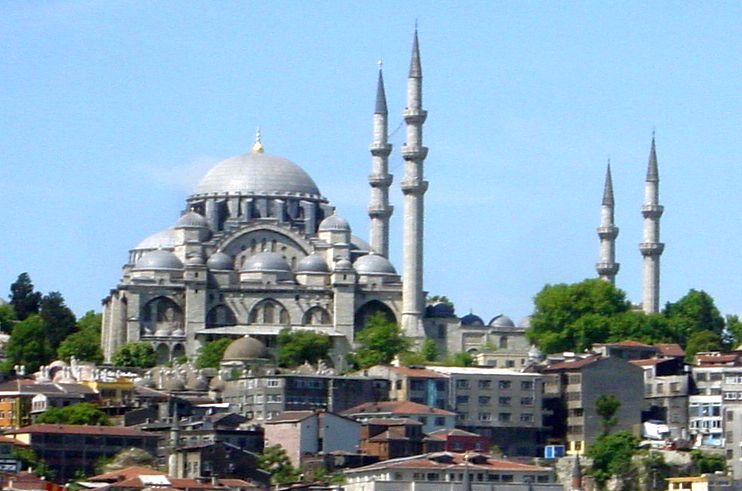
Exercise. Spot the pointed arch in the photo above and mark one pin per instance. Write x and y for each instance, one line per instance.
(367, 310)
(220, 315)
(317, 316)
(269, 311)
(161, 316)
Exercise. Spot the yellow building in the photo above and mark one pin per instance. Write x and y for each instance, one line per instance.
(704, 482)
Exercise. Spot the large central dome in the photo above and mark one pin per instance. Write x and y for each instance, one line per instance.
(259, 174)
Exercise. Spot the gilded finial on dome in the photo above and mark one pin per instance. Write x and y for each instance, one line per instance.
(258, 146)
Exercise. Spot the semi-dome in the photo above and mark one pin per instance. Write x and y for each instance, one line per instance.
(312, 264)
(164, 239)
(472, 320)
(220, 261)
(159, 259)
(334, 223)
(191, 219)
(245, 348)
(502, 321)
(266, 262)
(258, 173)
(374, 264)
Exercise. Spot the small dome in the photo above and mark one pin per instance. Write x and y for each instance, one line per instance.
(343, 265)
(334, 223)
(164, 239)
(191, 219)
(245, 348)
(174, 382)
(472, 320)
(502, 321)
(439, 309)
(266, 262)
(525, 322)
(195, 261)
(221, 261)
(374, 264)
(312, 264)
(159, 259)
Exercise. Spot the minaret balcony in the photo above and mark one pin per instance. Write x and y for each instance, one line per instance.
(415, 115)
(380, 180)
(413, 186)
(609, 232)
(380, 211)
(651, 248)
(607, 269)
(380, 149)
(414, 153)
(651, 210)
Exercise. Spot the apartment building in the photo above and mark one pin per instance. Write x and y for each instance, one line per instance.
(414, 384)
(666, 390)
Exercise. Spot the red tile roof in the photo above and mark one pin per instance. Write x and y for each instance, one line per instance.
(670, 349)
(396, 408)
(450, 461)
(126, 473)
(572, 364)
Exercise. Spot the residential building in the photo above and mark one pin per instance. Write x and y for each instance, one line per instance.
(216, 459)
(414, 384)
(432, 418)
(17, 399)
(455, 440)
(446, 471)
(503, 405)
(704, 482)
(666, 390)
(303, 433)
(577, 385)
(390, 438)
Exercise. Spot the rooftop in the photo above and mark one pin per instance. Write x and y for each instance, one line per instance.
(80, 430)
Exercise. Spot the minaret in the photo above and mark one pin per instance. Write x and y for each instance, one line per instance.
(651, 248)
(607, 267)
(379, 208)
(413, 188)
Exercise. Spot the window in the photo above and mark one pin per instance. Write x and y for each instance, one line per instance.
(526, 385)
(504, 384)
(485, 416)
(398, 384)
(462, 384)
(423, 419)
(526, 401)
(504, 417)
(462, 399)
(440, 385)
(417, 385)
(504, 401)
(272, 382)
(440, 421)
(484, 400)
(485, 384)
(526, 418)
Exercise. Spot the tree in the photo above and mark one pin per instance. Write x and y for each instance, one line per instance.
(693, 313)
(136, 354)
(297, 347)
(429, 350)
(59, 320)
(612, 454)
(734, 331)
(702, 341)
(275, 461)
(130, 457)
(82, 413)
(462, 359)
(380, 341)
(84, 343)
(440, 299)
(707, 463)
(28, 458)
(7, 318)
(29, 345)
(606, 406)
(427, 353)
(23, 298)
(211, 353)
(573, 317)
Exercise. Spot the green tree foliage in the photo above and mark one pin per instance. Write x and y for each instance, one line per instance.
(7, 318)
(274, 460)
(606, 406)
(23, 298)
(612, 454)
(296, 347)
(707, 463)
(59, 320)
(702, 341)
(28, 458)
(573, 317)
(137, 354)
(211, 353)
(427, 353)
(28, 345)
(84, 344)
(83, 413)
(461, 359)
(379, 342)
(693, 313)
(734, 331)
(655, 471)
(429, 350)
(440, 299)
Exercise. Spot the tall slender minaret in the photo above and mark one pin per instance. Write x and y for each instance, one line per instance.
(379, 208)
(652, 248)
(413, 188)
(607, 267)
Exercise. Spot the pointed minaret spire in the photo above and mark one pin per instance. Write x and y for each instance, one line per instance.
(607, 267)
(258, 145)
(379, 209)
(651, 248)
(413, 187)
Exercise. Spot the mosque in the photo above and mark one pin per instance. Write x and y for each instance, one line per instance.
(259, 249)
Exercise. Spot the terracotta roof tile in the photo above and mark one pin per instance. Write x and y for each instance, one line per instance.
(80, 430)
(396, 407)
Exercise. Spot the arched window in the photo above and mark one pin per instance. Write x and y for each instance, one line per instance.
(316, 316)
(369, 309)
(268, 312)
(221, 315)
(163, 354)
(161, 316)
(504, 342)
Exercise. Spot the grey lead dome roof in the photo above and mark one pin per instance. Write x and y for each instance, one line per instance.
(221, 261)
(159, 260)
(312, 264)
(268, 262)
(164, 239)
(245, 348)
(191, 219)
(502, 321)
(334, 223)
(374, 264)
(258, 173)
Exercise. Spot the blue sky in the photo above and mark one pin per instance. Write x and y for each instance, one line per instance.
(111, 111)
